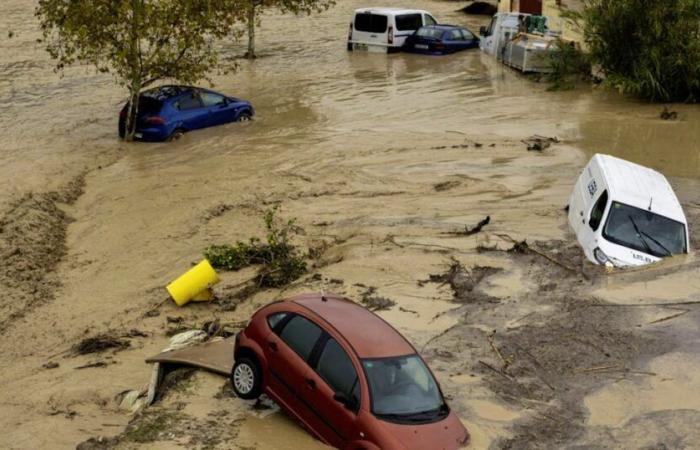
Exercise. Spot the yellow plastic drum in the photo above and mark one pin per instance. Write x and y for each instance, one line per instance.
(194, 283)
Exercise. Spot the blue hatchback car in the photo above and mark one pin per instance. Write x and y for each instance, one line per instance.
(167, 112)
(440, 39)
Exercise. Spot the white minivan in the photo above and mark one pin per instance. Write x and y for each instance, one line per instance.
(385, 29)
(625, 214)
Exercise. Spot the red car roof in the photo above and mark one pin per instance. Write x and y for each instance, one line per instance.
(367, 333)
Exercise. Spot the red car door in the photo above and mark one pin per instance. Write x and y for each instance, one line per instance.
(287, 350)
(335, 391)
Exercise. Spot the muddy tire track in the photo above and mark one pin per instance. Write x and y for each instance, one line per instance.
(32, 243)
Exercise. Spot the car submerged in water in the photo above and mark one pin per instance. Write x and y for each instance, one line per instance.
(625, 214)
(440, 40)
(345, 374)
(167, 112)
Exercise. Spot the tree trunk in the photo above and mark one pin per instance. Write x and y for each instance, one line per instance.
(251, 30)
(132, 112)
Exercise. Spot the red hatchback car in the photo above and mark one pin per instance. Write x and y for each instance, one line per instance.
(345, 374)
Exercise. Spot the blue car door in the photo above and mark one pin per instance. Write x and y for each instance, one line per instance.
(219, 110)
(454, 40)
(192, 113)
(470, 41)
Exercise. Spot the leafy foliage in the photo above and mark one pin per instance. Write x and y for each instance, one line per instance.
(255, 8)
(569, 64)
(139, 41)
(280, 260)
(646, 48)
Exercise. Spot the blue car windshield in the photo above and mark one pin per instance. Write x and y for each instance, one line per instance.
(429, 33)
(402, 388)
(644, 231)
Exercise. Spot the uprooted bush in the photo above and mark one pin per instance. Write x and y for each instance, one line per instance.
(650, 49)
(279, 259)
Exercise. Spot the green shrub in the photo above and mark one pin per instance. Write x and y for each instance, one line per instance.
(280, 261)
(569, 65)
(650, 49)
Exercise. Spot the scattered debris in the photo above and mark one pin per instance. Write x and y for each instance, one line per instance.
(131, 401)
(50, 365)
(98, 443)
(667, 114)
(100, 343)
(374, 302)
(463, 282)
(539, 143)
(519, 247)
(150, 426)
(217, 211)
(468, 232)
(402, 309)
(446, 185)
(92, 365)
(480, 8)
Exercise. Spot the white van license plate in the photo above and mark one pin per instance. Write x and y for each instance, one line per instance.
(421, 46)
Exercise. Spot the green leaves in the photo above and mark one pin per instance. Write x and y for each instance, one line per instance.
(648, 49)
(280, 262)
(139, 41)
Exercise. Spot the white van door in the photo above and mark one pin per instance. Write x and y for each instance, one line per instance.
(593, 228)
(488, 37)
(369, 29)
(405, 25)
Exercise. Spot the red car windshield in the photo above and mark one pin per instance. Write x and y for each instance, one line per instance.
(403, 389)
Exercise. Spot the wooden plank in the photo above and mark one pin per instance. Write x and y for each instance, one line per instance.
(214, 356)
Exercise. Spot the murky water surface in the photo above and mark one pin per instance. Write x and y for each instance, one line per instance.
(354, 140)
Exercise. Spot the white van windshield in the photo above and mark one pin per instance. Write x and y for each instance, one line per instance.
(370, 23)
(406, 22)
(644, 231)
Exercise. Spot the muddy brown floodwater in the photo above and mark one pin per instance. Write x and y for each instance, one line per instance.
(379, 158)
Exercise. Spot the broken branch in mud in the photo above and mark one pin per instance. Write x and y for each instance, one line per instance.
(506, 361)
(613, 368)
(623, 305)
(471, 231)
(501, 373)
(672, 316)
(523, 247)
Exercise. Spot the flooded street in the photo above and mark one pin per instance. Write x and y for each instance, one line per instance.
(378, 157)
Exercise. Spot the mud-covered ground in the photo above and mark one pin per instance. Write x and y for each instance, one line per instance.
(384, 162)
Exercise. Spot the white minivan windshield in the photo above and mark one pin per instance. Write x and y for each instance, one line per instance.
(644, 231)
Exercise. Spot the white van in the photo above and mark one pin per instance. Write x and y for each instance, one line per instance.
(385, 29)
(625, 214)
(503, 27)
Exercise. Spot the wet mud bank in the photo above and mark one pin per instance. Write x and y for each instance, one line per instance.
(32, 243)
(544, 350)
